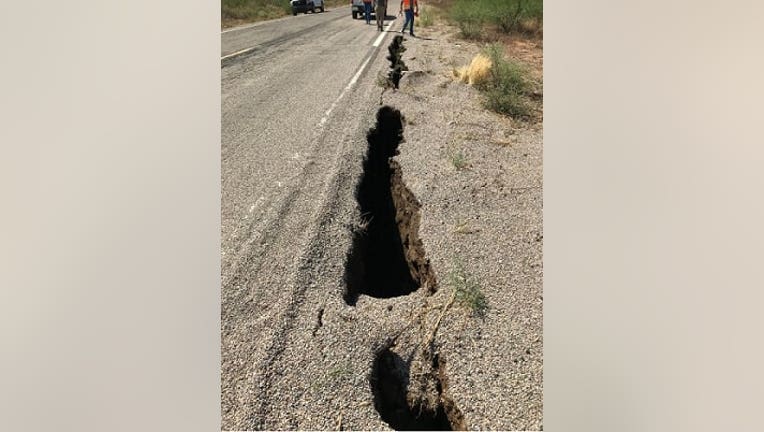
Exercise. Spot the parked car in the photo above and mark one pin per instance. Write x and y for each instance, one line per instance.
(358, 10)
(306, 6)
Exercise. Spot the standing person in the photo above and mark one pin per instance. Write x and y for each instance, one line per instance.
(411, 7)
(380, 13)
(367, 10)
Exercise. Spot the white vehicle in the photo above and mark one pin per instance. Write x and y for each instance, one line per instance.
(306, 6)
(359, 10)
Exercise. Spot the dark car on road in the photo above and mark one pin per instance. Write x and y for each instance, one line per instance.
(306, 6)
(358, 11)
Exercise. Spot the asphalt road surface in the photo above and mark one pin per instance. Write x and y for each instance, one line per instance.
(298, 94)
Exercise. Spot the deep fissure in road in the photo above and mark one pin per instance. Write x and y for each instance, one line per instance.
(397, 66)
(387, 258)
(390, 383)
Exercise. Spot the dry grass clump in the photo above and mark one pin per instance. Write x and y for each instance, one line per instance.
(504, 82)
(477, 72)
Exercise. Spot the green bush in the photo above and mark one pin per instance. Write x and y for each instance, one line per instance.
(507, 89)
(472, 16)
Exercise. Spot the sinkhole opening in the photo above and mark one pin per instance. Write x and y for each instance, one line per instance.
(376, 264)
(397, 66)
(390, 380)
(387, 257)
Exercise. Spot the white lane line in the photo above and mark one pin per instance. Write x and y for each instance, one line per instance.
(237, 28)
(245, 50)
(355, 77)
(383, 34)
(352, 81)
(345, 90)
(238, 52)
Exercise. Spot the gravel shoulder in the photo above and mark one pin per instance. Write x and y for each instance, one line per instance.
(483, 222)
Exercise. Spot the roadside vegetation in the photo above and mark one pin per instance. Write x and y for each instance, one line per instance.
(240, 11)
(507, 84)
(458, 160)
(477, 19)
(507, 88)
(236, 12)
(426, 16)
(467, 292)
(456, 157)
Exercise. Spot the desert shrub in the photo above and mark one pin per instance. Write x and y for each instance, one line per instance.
(467, 291)
(507, 88)
(473, 16)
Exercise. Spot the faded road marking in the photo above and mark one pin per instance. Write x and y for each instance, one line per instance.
(382, 35)
(356, 76)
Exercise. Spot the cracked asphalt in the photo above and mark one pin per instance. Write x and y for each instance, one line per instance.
(288, 170)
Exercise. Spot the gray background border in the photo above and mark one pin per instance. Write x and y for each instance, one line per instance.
(653, 215)
(110, 250)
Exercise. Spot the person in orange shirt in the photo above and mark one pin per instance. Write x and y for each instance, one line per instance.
(411, 7)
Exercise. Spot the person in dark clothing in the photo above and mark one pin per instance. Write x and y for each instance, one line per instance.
(367, 10)
(381, 12)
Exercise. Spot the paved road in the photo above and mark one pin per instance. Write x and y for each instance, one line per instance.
(296, 93)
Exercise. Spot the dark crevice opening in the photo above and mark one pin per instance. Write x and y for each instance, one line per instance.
(397, 66)
(387, 258)
(377, 264)
(390, 380)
